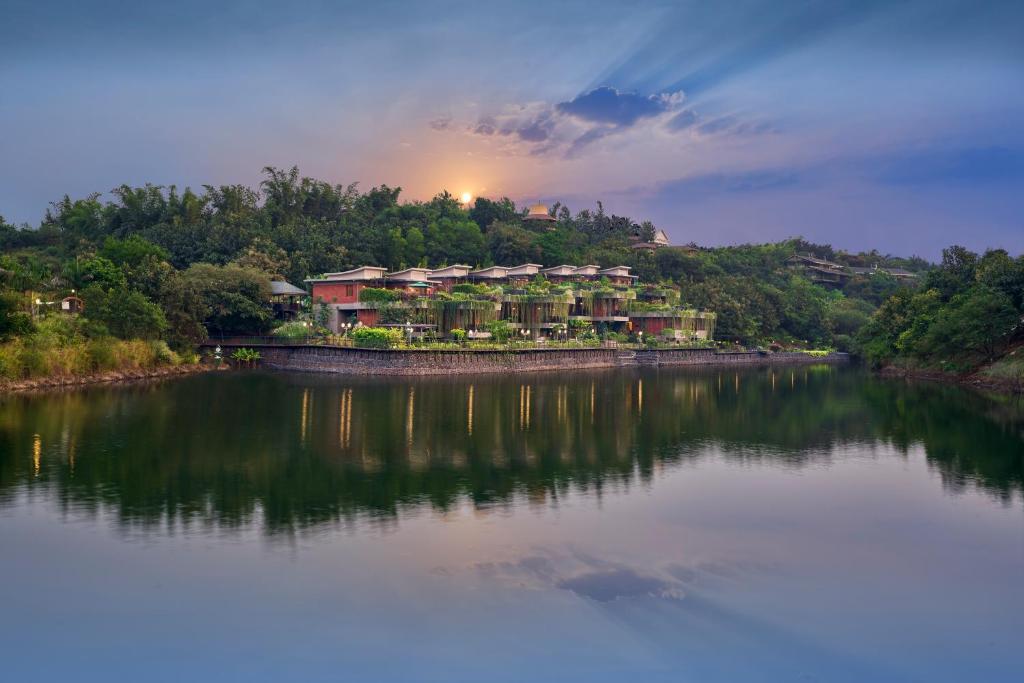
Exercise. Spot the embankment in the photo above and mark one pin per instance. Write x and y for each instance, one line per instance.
(345, 360)
(108, 377)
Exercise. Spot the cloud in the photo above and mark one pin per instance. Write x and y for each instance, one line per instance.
(605, 105)
(486, 126)
(571, 128)
(441, 123)
(683, 120)
(590, 136)
(537, 130)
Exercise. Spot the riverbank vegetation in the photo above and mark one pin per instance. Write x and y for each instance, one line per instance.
(968, 314)
(63, 348)
(155, 264)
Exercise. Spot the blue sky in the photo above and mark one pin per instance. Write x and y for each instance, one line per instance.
(891, 125)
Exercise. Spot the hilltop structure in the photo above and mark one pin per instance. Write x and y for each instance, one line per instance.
(825, 272)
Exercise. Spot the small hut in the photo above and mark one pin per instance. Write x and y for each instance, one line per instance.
(71, 305)
(284, 296)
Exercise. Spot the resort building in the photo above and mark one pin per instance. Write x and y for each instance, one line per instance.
(660, 240)
(558, 274)
(447, 277)
(523, 274)
(492, 275)
(898, 273)
(618, 275)
(532, 301)
(826, 272)
(411, 281)
(819, 270)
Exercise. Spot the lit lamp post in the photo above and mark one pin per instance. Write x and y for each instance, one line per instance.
(408, 333)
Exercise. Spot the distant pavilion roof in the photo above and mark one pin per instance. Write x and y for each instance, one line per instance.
(539, 212)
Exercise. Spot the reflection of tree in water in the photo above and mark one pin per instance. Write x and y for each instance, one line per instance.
(305, 450)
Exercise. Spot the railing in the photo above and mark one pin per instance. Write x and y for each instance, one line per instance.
(415, 344)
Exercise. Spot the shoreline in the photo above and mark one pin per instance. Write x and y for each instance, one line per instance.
(55, 383)
(970, 380)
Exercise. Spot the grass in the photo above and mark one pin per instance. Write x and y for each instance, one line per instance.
(58, 348)
(1009, 367)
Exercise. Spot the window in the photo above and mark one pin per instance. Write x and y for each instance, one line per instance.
(348, 290)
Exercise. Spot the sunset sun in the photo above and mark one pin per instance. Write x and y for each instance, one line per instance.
(467, 197)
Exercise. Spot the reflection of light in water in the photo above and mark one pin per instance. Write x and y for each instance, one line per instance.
(529, 392)
(305, 414)
(37, 451)
(345, 419)
(469, 411)
(640, 396)
(737, 382)
(792, 379)
(773, 382)
(592, 403)
(409, 415)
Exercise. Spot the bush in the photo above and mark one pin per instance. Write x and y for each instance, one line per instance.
(292, 330)
(500, 330)
(162, 354)
(458, 335)
(376, 337)
(377, 294)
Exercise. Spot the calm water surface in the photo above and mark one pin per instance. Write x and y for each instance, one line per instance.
(805, 524)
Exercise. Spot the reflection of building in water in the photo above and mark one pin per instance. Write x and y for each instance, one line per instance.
(198, 450)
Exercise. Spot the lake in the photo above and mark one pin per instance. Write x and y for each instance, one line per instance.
(809, 523)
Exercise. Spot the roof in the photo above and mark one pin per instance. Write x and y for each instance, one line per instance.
(525, 269)
(282, 288)
(586, 270)
(616, 271)
(538, 212)
(492, 272)
(360, 273)
(415, 274)
(559, 270)
(807, 258)
(456, 270)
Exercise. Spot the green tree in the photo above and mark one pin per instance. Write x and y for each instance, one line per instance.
(124, 314)
(237, 299)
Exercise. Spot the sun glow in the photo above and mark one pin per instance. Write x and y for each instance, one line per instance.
(467, 197)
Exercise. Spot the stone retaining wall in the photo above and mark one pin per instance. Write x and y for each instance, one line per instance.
(335, 359)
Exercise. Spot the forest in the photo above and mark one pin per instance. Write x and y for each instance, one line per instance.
(161, 265)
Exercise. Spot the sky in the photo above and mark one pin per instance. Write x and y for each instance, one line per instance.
(888, 125)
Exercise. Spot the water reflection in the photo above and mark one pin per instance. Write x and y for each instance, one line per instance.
(300, 450)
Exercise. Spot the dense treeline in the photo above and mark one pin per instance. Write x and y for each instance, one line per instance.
(155, 263)
(967, 312)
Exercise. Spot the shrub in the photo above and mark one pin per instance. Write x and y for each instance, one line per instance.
(162, 354)
(292, 330)
(102, 355)
(458, 335)
(377, 294)
(500, 330)
(376, 337)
